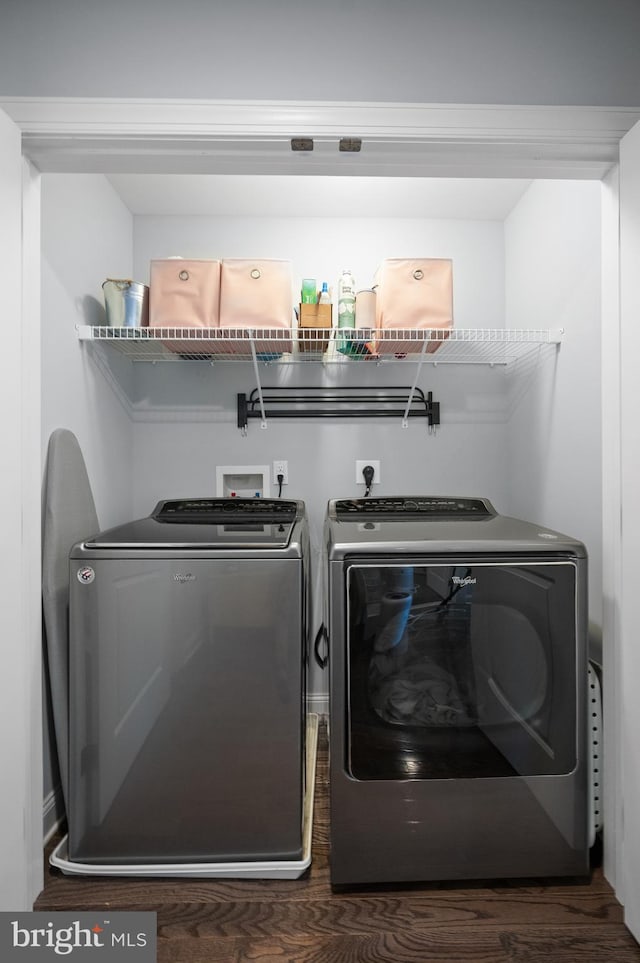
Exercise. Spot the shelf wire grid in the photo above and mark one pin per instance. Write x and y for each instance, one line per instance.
(499, 346)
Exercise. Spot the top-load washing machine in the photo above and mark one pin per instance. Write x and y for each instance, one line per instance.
(458, 693)
(188, 644)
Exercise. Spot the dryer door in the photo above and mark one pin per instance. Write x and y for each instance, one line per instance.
(461, 669)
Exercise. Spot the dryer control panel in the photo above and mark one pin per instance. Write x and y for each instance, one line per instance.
(422, 506)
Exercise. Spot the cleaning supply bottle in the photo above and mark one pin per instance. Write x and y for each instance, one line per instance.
(325, 297)
(308, 291)
(346, 301)
(346, 311)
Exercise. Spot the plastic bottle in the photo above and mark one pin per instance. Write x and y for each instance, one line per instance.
(325, 297)
(308, 293)
(346, 313)
(346, 301)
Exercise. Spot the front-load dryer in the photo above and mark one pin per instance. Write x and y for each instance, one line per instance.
(188, 642)
(458, 683)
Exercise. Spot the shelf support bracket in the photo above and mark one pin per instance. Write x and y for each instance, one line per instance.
(254, 359)
(412, 390)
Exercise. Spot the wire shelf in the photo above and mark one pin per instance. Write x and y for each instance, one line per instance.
(489, 346)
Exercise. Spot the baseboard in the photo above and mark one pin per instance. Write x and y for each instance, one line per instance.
(53, 814)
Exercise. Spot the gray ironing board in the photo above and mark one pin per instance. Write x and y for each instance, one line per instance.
(69, 517)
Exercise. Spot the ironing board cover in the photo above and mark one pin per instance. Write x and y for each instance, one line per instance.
(69, 516)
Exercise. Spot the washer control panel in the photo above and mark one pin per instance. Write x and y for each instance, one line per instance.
(208, 510)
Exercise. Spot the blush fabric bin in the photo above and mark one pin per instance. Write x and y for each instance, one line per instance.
(184, 293)
(414, 293)
(257, 296)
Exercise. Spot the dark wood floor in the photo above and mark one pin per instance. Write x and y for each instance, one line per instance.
(304, 921)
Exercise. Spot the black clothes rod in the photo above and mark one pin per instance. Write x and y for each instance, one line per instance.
(391, 402)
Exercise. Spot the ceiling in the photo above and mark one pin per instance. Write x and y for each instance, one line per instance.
(267, 195)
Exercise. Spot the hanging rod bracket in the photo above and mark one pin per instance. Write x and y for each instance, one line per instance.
(393, 402)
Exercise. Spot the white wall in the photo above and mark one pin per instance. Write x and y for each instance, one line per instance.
(20, 683)
(87, 236)
(553, 278)
(624, 594)
(467, 52)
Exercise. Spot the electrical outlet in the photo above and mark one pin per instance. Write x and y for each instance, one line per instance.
(362, 463)
(281, 468)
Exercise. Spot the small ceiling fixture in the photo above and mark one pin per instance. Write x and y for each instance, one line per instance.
(350, 145)
(301, 143)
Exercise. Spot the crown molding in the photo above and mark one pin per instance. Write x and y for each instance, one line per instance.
(133, 135)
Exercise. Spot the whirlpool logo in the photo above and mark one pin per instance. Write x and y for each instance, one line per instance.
(186, 577)
(81, 936)
(459, 581)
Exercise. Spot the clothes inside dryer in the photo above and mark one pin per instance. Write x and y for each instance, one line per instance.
(452, 671)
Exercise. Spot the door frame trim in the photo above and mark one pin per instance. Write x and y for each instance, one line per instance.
(76, 135)
(222, 136)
